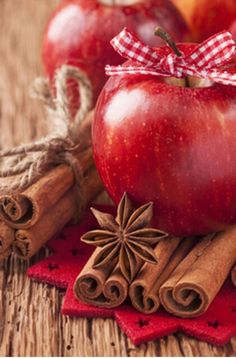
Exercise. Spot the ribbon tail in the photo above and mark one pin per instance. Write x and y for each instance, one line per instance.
(224, 78)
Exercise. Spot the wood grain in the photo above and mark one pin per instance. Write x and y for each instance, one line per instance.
(30, 319)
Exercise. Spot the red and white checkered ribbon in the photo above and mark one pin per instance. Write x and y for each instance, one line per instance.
(204, 61)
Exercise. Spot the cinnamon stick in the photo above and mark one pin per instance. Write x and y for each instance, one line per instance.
(105, 287)
(6, 238)
(196, 281)
(144, 291)
(29, 241)
(233, 275)
(24, 210)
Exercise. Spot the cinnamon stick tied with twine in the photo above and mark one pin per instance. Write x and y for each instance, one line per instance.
(23, 209)
(37, 180)
(6, 240)
(144, 290)
(233, 275)
(198, 278)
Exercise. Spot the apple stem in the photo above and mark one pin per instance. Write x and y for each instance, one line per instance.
(168, 39)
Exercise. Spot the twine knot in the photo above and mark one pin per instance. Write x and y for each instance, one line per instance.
(26, 164)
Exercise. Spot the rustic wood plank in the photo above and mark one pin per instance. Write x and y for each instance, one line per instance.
(30, 319)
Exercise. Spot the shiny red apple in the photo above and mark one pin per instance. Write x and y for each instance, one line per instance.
(160, 141)
(79, 32)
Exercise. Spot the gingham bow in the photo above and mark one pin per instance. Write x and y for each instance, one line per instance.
(204, 61)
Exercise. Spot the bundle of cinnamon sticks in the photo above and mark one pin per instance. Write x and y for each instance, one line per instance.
(186, 279)
(46, 184)
(30, 218)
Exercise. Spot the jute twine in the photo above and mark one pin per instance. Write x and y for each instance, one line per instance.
(27, 163)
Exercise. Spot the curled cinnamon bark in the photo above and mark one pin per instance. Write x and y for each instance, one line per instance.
(60, 195)
(104, 287)
(45, 184)
(23, 210)
(196, 281)
(29, 241)
(144, 291)
(6, 238)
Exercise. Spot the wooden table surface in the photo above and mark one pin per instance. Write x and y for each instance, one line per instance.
(30, 320)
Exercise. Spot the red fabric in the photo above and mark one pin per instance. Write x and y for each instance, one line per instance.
(204, 61)
(69, 255)
(216, 326)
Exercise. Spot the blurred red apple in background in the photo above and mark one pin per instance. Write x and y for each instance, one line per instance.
(207, 17)
(160, 141)
(79, 33)
(232, 29)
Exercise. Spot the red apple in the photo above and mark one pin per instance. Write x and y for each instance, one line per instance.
(79, 32)
(207, 17)
(160, 141)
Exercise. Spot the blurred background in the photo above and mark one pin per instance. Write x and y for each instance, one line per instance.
(21, 27)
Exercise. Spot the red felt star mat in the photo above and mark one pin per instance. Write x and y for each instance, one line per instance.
(69, 255)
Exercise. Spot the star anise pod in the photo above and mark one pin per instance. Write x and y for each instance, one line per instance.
(125, 238)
